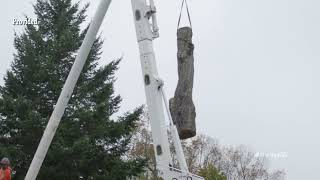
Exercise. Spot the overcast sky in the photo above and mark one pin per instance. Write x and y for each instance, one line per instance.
(256, 70)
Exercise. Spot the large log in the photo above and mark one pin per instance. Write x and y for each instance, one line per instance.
(181, 105)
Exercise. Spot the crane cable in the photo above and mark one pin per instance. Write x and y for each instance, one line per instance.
(184, 2)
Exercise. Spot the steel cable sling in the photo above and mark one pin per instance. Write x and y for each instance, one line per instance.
(189, 18)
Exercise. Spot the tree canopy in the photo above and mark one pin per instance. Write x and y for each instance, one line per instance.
(89, 143)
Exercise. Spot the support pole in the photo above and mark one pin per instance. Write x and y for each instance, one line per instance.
(67, 91)
(175, 136)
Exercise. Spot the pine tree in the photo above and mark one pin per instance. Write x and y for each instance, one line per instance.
(211, 173)
(89, 144)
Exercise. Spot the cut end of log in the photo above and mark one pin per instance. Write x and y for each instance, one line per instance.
(185, 33)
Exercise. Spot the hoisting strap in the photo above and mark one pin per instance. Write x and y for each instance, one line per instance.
(184, 1)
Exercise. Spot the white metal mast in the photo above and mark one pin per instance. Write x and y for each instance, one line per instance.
(146, 32)
(145, 36)
(67, 90)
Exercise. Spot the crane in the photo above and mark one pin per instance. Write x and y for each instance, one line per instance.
(145, 20)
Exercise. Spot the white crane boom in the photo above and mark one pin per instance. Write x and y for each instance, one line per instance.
(67, 90)
(146, 32)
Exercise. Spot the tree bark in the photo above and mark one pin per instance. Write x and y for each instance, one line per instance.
(181, 105)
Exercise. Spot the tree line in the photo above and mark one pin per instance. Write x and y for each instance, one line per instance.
(206, 157)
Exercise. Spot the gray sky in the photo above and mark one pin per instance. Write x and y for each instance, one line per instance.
(256, 77)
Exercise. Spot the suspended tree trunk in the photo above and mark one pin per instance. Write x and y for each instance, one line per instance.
(181, 106)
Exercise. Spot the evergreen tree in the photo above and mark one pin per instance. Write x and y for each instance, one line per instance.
(211, 173)
(89, 144)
